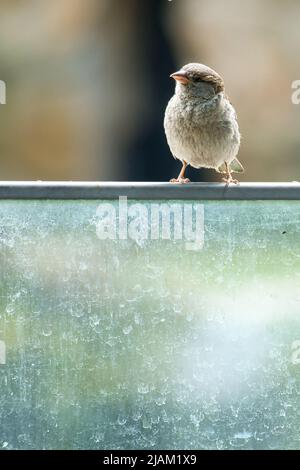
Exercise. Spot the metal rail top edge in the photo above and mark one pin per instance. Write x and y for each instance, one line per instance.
(142, 190)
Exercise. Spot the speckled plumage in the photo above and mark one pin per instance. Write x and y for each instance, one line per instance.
(200, 122)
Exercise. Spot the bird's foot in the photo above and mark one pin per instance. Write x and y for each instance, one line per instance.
(180, 180)
(228, 179)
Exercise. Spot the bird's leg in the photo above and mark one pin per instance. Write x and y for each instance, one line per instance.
(228, 178)
(181, 179)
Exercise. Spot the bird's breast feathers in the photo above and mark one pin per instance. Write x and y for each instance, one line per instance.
(204, 134)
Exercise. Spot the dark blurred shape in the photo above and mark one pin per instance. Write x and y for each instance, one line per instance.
(148, 154)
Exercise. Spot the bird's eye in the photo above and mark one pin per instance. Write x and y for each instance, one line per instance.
(197, 79)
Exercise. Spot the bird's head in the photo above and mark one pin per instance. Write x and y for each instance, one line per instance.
(198, 81)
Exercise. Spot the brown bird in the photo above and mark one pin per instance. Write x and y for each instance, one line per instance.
(201, 124)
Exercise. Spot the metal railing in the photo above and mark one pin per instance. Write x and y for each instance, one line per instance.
(141, 190)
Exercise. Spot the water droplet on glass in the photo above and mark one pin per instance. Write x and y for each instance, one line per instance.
(127, 330)
(98, 437)
(143, 388)
(160, 401)
(147, 423)
(47, 332)
(10, 308)
(243, 435)
(122, 420)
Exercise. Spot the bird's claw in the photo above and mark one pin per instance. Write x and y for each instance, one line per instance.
(180, 180)
(228, 179)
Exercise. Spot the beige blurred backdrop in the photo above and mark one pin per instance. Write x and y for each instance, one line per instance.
(87, 84)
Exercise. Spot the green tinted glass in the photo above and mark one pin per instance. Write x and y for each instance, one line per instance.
(134, 340)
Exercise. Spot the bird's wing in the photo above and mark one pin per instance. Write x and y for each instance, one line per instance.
(235, 167)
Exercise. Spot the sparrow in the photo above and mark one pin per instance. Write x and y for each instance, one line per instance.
(201, 124)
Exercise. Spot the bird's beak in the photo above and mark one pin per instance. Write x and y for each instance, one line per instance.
(180, 77)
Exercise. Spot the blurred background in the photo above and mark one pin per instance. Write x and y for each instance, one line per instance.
(88, 83)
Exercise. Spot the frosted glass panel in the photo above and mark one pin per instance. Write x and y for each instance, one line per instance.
(130, 344)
